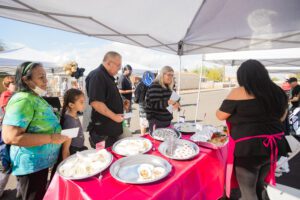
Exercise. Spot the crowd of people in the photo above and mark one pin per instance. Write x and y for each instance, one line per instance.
(255, 112)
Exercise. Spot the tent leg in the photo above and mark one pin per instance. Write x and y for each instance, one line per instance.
(179, 83)
(230, 82)
(179, 77)
(199, 89)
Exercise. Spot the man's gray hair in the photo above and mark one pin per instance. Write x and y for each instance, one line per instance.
(111, 54)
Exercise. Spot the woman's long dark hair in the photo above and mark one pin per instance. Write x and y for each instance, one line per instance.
(70, 96)
(25, 70)
(254, 77)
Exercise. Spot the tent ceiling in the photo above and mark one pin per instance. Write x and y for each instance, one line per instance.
(203, 26)
(267, 62)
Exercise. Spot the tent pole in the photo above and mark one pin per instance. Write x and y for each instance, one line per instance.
(179, 77)
(179, 53)
(199, 88)
(232, 64)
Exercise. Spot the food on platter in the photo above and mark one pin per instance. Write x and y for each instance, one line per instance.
(132, 146)
(218, 139)
(184, 151)
(150, 172)
(163, 133)
(179, 149)
(186, 127)
(140, 169)
(213, 140)
(85, 164)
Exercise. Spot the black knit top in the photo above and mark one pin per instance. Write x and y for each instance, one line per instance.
(156, 103)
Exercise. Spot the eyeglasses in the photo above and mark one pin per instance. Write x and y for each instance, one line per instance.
(169, 74)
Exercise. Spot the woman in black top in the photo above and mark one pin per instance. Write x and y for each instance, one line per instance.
(255, 109)
(158, 99)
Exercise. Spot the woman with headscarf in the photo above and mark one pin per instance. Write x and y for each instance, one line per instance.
(33, 131)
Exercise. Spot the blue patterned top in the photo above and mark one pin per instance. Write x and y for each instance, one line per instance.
(31, 112)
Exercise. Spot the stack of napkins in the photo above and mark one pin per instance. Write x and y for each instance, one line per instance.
(174, 97)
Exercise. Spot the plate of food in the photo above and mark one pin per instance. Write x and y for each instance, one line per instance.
(214, 141)
(85, 164)
(132, 146)
(162, 133)
(180, 150)
(140, 169)
(185, 127)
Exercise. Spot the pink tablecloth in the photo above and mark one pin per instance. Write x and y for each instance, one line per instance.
(200, 178)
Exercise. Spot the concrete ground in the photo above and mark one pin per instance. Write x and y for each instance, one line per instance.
(209, 102)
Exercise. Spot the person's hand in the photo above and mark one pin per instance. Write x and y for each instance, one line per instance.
(176, 106)
(118, 118)
(58, 138)
(171, 102)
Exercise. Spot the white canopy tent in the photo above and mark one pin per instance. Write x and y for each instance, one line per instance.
(274, 58)
(9, 60)
(173, 26)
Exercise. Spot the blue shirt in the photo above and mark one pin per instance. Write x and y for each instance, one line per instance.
(29, 111)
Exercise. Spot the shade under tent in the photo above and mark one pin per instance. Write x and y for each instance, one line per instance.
(172, 26)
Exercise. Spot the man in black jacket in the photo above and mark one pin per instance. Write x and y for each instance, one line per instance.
(106, 102)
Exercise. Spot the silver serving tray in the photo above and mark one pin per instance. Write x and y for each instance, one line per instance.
(179, 127)
(131, 138)
(126, 169)
(88, 176)
(164, 146)
(208, 144)
(178, 134)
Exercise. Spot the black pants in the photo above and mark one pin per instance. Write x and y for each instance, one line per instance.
(251, 173)
(33, 186)
(95, 138)
(129, 111)
(158, 124)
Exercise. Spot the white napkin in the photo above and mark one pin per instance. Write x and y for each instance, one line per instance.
(174, 96)
(71, 133)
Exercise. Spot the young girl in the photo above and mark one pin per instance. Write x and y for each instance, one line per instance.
(74, 102)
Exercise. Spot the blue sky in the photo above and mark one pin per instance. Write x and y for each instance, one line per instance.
(43, 38)
(87, 51)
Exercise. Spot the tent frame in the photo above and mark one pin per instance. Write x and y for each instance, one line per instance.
(178, 51)
(180, 45)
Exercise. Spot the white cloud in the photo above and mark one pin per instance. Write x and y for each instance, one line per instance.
(90, 58)
(139, 58)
